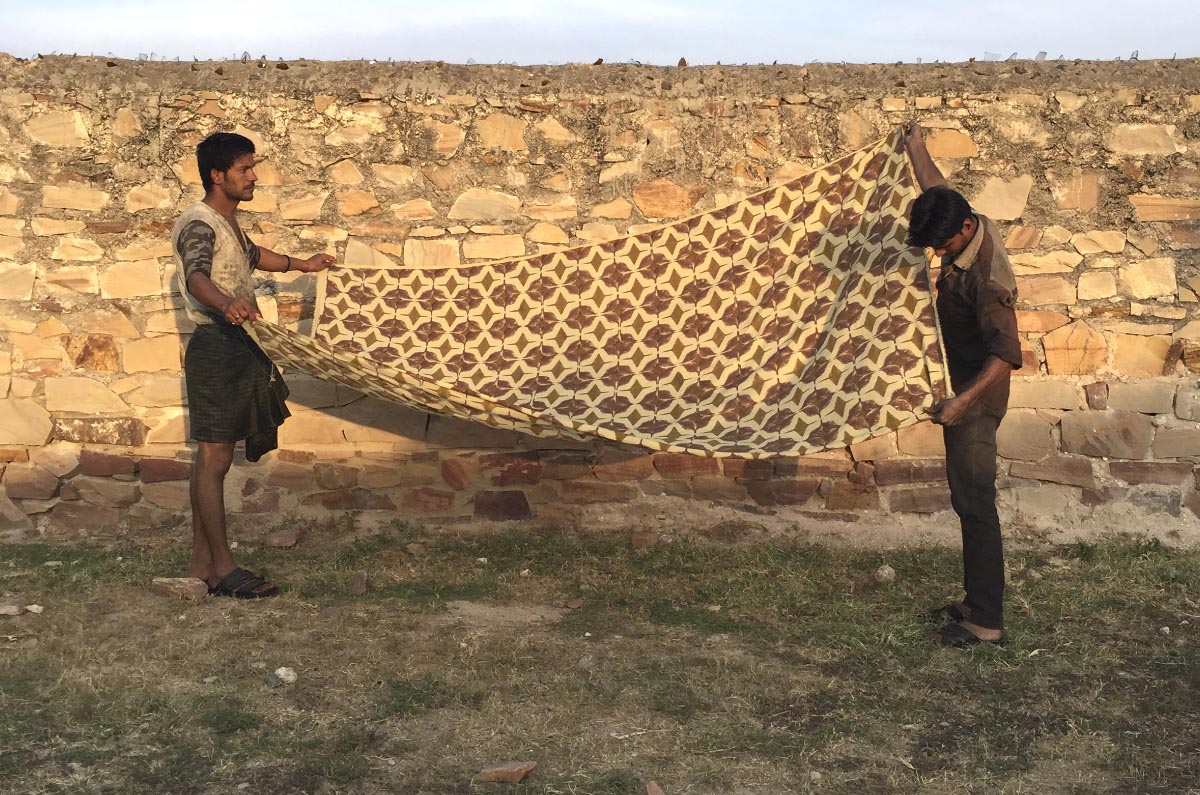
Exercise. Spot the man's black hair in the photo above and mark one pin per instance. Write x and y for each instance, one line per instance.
(937, 215)
(218, 151)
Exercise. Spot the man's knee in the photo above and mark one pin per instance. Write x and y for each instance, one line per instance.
(215, 458)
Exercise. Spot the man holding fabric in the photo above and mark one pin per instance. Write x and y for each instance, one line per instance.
(976, 293)
(234, 391)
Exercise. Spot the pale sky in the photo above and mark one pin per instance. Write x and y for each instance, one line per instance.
(658, 32)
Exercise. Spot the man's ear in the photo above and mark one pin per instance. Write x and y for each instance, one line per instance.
(216, 176)
(968, 225)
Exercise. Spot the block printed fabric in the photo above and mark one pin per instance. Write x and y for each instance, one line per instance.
(792, 321)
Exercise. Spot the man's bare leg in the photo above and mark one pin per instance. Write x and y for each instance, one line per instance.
(211, 556)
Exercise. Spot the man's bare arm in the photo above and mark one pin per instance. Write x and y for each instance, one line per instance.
(928, 174)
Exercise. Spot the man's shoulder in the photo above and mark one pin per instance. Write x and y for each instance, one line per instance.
(993, 257)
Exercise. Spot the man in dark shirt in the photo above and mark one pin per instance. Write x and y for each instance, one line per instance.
(976, 292)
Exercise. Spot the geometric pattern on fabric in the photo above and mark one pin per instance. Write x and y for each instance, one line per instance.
(789, 322)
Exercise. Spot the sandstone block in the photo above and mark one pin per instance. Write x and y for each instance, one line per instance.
(24, 422)
(593, 232)
(153, 391)
(345, 172)
(1023, 237)
(447, 137)
(1144, 139)
(680, 465)
(1029, 394)
(150, 196)
(363, 500)
(1149, 278)
(1096, 285)
(29, 482)
(876, 449)
(16, 280)
(330, 477)
(558, 209)
(1162, 473)
(172, 495)
(848, 496)
(393, 175)
(511, 469)
(1145, 397)
(547, 233)
(1187, 402)
(355, 202)
(306, 208)
(1039, 264)
(59, 459)
(586, 492)
(618, 170)
(664, 199)
(159, 470)
(1044, 290)
(1077, 349)
(1109, 434)
(414, 210)
(431, 253)
(717, 488)
(123, 431)
(494, 247)
(481, 204)
(58, 128)
(1097, 395)
(501, 131)
(1077, 191)
(74, 198)
(13, 520)
(132, 280)
(107, 492)
(1064, 469)
(618, 209)
(1177, 442)
(291, 476)
(928, 499)
(502, 506)
(76, 249)
(78, 279)
(834, 464)
(95, 352)
(1140, 356)
(950, 144)
(82, 395)
(554, 132)
(1025, 436)
(151, 354)
(899, 471)
(1152, 207)
(782, 492)
(145, 250)
(923, 440)
(1098, 241)
(1003, 200)
(104, 465)
(459, 472)
(79, 516)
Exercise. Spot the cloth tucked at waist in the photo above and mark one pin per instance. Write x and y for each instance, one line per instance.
(234, 391)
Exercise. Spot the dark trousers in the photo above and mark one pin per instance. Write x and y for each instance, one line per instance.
(971, 470)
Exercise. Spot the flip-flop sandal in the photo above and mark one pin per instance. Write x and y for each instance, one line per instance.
(951, 612)
(956, 636)
(242, 584)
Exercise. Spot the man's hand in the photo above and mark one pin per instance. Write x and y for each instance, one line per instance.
(914, 136)
(949, 411)
(239, 310)
(317, 262)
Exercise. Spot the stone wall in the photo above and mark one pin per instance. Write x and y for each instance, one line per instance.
(1092, 169)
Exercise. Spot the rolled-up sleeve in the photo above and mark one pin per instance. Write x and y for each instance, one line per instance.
(994, 306)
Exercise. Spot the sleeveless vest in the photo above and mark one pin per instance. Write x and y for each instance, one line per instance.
(230, 267)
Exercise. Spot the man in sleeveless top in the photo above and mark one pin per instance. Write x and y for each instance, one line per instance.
(234, 391)
(976, 292)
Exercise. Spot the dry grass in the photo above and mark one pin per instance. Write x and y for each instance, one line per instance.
(810, 677)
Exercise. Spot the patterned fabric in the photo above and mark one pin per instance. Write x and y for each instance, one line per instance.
(792, 321)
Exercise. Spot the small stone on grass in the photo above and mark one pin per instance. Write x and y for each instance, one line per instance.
(505, 773)
(180, 587)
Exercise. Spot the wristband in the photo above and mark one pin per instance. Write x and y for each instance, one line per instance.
(289, 265)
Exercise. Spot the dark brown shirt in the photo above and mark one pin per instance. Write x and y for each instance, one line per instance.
(976, 292)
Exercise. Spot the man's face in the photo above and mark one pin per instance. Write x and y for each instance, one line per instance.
(955, 245)
(238, 182)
